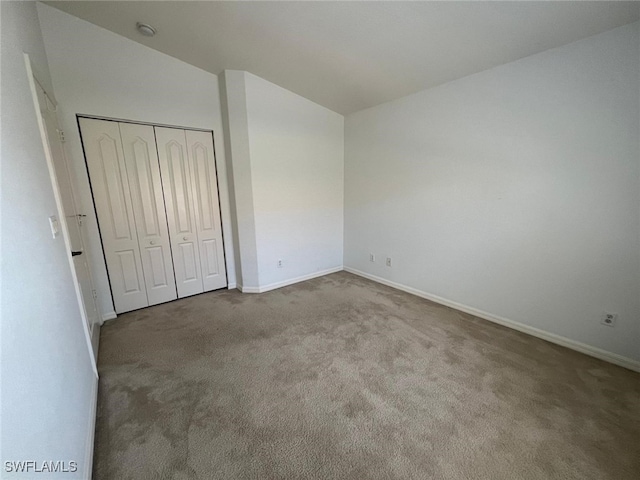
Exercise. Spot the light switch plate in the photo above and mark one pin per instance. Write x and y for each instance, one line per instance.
(55, 225)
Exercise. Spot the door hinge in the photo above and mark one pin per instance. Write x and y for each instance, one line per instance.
(61, 136)
(95, 294)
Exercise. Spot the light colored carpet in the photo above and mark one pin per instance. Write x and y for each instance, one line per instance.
(342, 378)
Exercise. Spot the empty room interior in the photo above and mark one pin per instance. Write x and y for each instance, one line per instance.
(324, 240)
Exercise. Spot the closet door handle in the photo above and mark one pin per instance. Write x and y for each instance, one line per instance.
(152, 242)
(185, 238)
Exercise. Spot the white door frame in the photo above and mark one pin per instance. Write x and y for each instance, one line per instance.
(61, 214)
(55, 137)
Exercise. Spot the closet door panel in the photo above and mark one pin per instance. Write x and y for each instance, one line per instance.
(109, 183)
(188, 259)
(211, 261)
(143, 173)
(207, 209)
(128, 266)
(177, 185)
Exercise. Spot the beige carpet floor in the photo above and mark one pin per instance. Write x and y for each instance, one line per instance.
(342, 378)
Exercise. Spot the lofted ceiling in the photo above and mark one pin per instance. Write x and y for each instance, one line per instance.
(352, 55)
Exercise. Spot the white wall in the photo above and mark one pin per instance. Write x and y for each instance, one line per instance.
(297, 173)
(48, 384)
(288, 175)
(97, 72)
(515, 191)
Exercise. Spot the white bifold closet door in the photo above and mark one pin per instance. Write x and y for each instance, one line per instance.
(143, 173)
(156, 196)
(188, 171)
(112, 199)
(204, 184)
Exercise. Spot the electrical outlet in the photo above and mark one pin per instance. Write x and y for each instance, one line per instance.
(280, 263)
(609, 319)
(388, 261)
(372, 258)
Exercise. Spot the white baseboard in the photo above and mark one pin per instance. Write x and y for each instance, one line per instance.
(88, 459)
(521, 327)
(108, 316)
(231, 286)
(273, 286)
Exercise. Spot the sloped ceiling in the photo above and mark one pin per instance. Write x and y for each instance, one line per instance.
(352, 55)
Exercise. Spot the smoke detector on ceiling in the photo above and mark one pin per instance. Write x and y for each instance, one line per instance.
(145, 29)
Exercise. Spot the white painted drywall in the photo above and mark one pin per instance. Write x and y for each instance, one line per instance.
(288, 164)
(515, 191)
(48, 384)
(234, 108)
(349, 55)
(97, 72)
(297, 173)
